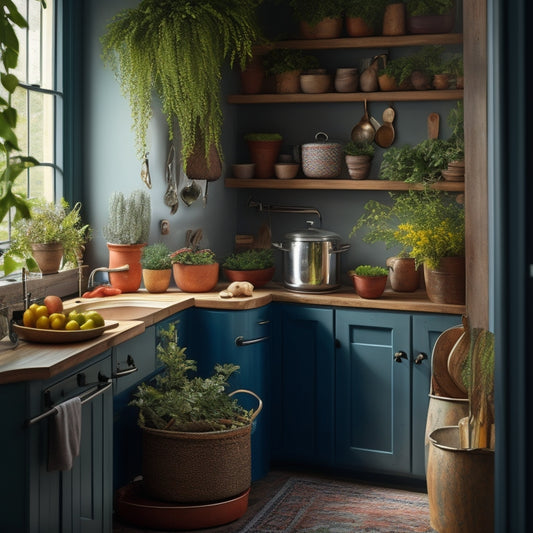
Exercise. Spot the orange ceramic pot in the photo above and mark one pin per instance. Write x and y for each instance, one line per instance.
(195, 278)
(357, 27)
(125, 254)
(156, 280)
(258, 278)
(369, 286)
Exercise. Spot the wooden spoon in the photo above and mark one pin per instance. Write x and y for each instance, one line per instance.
(385, 134)
(433, 125)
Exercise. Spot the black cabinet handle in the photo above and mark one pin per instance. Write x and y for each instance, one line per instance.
(240, 340)
(399, 355)
(420, 357)
(121, 373)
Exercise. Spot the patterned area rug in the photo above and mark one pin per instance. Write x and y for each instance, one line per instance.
(322, 506)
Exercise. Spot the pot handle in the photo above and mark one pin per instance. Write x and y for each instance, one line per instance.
(259, 407)
(279, 246)
(341, 248)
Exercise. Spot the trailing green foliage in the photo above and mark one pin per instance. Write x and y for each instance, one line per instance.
(371, 11)
(11, 166)
(280, 60)
(313, 11)
(429, 7)
(253, 259)
(156, 257)
(129, 218)
(178, 402)
(177, 48)
(369, 271)
(354, 148)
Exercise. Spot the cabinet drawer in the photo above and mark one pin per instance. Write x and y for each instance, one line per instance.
(138, 352)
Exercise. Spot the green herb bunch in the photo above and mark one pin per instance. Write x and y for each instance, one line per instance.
(178, 402)
(254, 259)
(189, 256)
(428, 7)
(354, 148)
(313, 11)
(280, 60)
(156, 257)
(369, 271)
(371, 11)
(129, 218)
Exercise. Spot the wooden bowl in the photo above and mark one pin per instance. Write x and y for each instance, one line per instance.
(315, 83)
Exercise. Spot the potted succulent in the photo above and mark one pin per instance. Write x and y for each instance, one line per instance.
(358, 157)
(255, 265)
(156, 267)
(318, 20)
(369, 281)
(430, 16)
(364, 17)
(264, 150)
(52, 233)
(126, 233)
(286, 65)
(195, 436)
(140, 45)
(195, 270)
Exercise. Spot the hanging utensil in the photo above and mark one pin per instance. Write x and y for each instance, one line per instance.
(385, 134)
(145, 171)
(363, 131)
(171, 194)
(433, 125)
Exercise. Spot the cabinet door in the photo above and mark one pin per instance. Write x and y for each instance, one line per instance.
(303, 380)
(426, 330)
(373, 411)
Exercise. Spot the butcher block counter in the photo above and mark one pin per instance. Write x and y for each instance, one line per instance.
(33, 361)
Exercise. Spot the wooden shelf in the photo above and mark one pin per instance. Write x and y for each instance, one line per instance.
(339, 184)
(365, 42)
(380, 96)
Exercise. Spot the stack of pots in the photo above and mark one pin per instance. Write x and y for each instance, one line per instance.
(323, 158)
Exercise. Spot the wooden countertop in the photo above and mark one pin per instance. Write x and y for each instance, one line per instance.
(31, 361)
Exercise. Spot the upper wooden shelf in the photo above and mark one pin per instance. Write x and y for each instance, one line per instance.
(365, 42)
(339, 184)
(379, 96)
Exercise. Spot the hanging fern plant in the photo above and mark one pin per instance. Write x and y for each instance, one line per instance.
(178, 48)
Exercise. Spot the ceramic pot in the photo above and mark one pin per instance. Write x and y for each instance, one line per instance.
(445, 284)
(156, 280)
(125, 254)
(264, 154)
(394, 19)
(258, 278)
(369, 286)
(387, 83)
(346, 80)
(288, 82)
(404, 277)
(195, 278)
(441, 81)
(252, 77)
(286, 171)
(47, 256)
(315, 83)
(328, 28)
(358, 166)
(430, 23)
(357, 27)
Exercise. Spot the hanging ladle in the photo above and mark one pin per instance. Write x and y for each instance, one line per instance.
(190, 192)
(363, 131)
(385, 134)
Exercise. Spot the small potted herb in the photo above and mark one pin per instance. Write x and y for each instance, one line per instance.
(358, 157)
(318, 20)
(157, 267)
(195, 270)
(364, 17)
(430, 16)
(286, 65)
(369, 281)
(255, 265)
(264, 149)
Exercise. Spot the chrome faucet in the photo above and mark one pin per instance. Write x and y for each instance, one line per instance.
(122, 268)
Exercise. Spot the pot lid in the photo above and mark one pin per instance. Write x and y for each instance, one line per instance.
(322, 139)
(311, 234)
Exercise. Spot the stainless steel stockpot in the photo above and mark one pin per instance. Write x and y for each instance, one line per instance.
(311, 260)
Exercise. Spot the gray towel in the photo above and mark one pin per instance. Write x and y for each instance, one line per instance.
(64, 432)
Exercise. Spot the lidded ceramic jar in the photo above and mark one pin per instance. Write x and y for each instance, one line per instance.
(323, 158)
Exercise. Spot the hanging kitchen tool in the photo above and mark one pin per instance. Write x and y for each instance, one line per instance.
(433, 125)
(264, 236)
(363, 131)
(385, 134)
(190, 192)
(171, 194)
(145, 171)
(193, 238)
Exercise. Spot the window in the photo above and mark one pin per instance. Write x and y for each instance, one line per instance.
(39, 103)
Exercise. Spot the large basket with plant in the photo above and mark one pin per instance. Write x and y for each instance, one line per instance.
(196, 437)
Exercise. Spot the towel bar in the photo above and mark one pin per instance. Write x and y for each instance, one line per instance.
(88, 395)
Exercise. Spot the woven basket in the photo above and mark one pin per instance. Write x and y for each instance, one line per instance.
(188, 467)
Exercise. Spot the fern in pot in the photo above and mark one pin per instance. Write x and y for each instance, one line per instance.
(127, 232)
(196, 437)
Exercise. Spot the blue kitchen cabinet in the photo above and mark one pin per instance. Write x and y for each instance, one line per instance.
(383, 374)
(34, 500)
(303, 381)
(243, 338)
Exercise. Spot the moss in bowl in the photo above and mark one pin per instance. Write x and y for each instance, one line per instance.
(255, 265)
(369, 281)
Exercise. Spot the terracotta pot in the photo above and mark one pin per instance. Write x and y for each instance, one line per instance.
(201, 168)
(430, 23)
(258, 278)
(48, 256)
(125, 254)
(156, 280)
(446, 283)
(288, 82)
(357, 27)
(421, 81)
(460, 82)
(328, 28)
(264, 154)
(369, 286)
(195, 278)
(315, 83)
(387, 83)
(441, 81)
(358, 166)
(346, 80)
(404, 277)
(252, 77)
(394, 19)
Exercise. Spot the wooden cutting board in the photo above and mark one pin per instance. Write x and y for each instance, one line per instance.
(458, 356)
